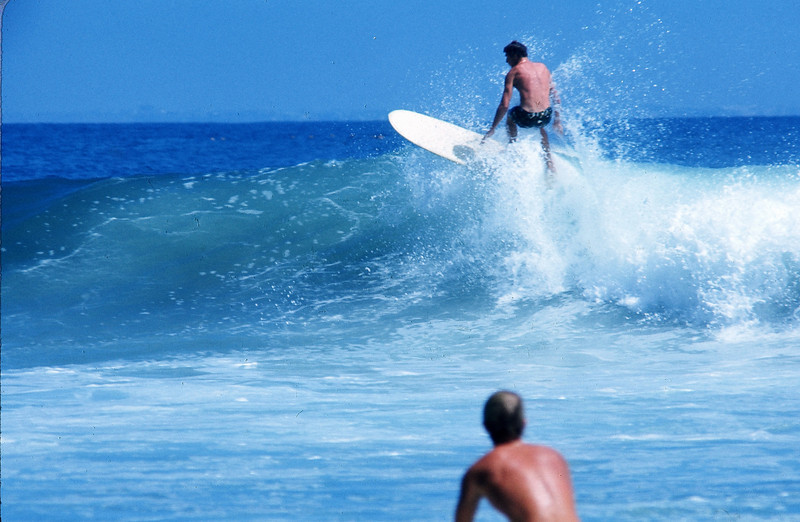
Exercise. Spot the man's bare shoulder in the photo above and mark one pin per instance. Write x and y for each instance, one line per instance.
(545, 454)
(542, 450)
(517, 456)
(521, 452)
(535, 65)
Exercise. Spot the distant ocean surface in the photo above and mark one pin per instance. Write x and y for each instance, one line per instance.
(301, 321)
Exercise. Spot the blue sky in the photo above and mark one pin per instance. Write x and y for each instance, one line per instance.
(253, 60)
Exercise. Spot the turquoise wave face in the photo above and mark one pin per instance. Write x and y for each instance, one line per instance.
(163, 255)
(327, 244)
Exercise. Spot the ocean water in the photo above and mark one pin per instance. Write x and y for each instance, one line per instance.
(302, 321)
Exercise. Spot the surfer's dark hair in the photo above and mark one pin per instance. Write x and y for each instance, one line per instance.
(504, 417)
(516, 49)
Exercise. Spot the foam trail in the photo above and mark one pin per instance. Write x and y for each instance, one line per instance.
(680, 243)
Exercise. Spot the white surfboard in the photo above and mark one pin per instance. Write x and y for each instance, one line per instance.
(442, 138)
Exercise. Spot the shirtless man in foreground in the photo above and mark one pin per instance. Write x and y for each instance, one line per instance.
(535, 86)
(524, 482)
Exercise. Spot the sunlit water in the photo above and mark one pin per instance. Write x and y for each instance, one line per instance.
(305, 326)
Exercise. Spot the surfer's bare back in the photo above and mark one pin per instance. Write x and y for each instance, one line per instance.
(522, 481)
(535, 86)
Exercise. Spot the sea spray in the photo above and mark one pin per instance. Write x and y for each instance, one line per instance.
(686, 244)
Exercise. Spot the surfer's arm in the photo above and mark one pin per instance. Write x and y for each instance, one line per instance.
(505, 101)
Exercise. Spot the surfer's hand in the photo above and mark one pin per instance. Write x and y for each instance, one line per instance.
(488, 135)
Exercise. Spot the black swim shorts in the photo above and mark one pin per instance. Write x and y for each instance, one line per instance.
(527, 119)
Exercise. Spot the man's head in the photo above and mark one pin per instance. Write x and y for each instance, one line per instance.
(515, 51)
(503, 417)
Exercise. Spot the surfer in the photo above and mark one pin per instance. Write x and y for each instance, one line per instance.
(535, 86)
(522, 481)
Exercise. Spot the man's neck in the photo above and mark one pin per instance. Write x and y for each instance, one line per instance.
(511, 442)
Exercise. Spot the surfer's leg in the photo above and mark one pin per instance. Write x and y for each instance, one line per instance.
(511, 127)
(546, 146)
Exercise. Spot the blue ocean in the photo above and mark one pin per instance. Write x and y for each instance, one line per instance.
(301, 321)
